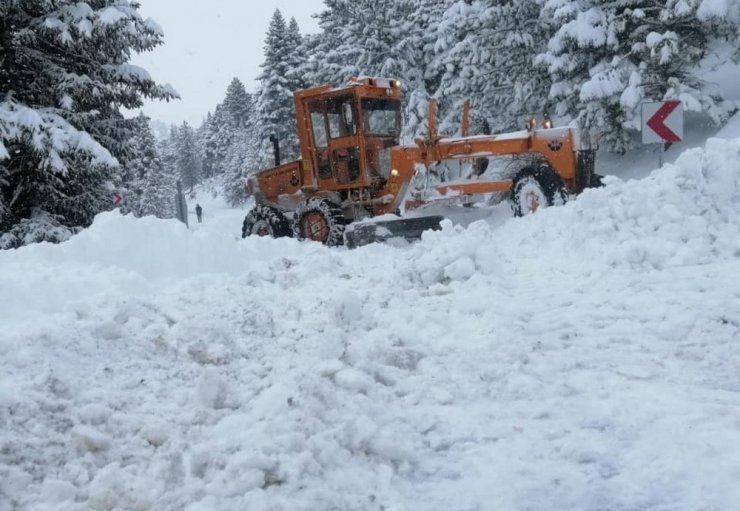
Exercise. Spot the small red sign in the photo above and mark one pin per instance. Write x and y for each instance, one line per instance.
(659, 122)
(117, 199)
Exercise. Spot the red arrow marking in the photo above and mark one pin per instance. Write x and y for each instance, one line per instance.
(116, 199)
(655, 123)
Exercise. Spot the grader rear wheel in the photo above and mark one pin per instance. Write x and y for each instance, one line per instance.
(266, 221)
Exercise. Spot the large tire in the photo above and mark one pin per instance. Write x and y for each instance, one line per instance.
(321, 220)
(264, 220)
(536, 187)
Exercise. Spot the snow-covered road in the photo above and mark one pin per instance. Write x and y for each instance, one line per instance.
(583, 358)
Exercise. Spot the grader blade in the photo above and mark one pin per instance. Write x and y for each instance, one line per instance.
(364, 233)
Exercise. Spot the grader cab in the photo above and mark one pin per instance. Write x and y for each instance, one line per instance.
(352, 169)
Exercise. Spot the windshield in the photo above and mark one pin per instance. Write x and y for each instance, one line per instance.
(382, 116)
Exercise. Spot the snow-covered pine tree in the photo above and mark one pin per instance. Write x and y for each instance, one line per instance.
(221, 128)
(64, 75)
(135, 167)
(153, 191)
(201, 136)
(673, 49)
(325, 61)
(207, 154)
(167, 148)
(311, 68)
(366, 38)
(608, 57)
(237, 104)
(216, 138)
(297, 58)
(275, 107)
(375, 38)
(422, 79)
(241, 157)
(240, 162)
(486, 55)
(189, 165)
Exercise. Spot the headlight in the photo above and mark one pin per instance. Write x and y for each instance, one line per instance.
(394, 173)
(396, 84)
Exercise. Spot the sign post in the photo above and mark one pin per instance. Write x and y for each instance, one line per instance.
(181, 205)
(662, 123)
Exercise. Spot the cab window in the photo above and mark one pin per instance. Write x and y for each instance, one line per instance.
(340, 114)
(317, 112)
(382, 116)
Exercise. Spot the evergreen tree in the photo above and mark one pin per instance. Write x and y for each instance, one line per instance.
(208, 153)
(237, 105)
(365, 38)
(384, 38)
(240, 163)
(275, 107)
(153, 191)
(189, 165)
(201, 136)
(234, 114)
(64, 75)
(168, 153)
(489, 60)
(422, 79)
(242, 155)
(215, 141)
(608, 57)
(296, 58)
(312, 66)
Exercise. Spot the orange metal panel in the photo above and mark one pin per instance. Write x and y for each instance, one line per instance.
(285, 179)
(469, 147)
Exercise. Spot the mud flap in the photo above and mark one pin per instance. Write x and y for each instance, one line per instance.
(363, 233)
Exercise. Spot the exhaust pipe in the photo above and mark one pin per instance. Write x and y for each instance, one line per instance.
(275, 148)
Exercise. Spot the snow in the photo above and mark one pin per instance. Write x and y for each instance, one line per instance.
(584, 357)
(128, 72)
(603, 83)
(111, 16)
(712, 9)
(588, 29)
(48, 131)
(154, 27)
(653, 39)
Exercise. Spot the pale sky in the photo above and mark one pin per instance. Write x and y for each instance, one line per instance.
(209, 42)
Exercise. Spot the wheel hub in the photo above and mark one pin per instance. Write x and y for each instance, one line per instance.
(261, 229)
(315, 226)
(532, 200)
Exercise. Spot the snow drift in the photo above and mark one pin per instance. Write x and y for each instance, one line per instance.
(585, 357)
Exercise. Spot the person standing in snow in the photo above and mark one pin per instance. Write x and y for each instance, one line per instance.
(199, 212)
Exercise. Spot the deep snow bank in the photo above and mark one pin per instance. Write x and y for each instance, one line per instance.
(682, 214)
(581, 358)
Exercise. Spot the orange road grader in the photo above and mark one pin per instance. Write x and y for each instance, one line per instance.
(353, 177)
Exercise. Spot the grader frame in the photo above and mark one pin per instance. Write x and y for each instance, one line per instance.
(352, 167)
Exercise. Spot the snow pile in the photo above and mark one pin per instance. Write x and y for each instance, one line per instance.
(686, 213)
(585, 357)
(683, 214)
